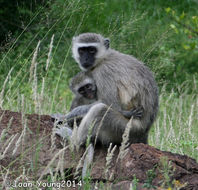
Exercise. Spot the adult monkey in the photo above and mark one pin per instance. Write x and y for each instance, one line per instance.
(122, 82)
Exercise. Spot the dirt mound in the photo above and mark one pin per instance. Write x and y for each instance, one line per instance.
(38, 147)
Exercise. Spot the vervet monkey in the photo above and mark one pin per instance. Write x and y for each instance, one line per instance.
(123, 82)
(84, 90)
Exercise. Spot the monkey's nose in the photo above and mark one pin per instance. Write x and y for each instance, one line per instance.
(85, 64)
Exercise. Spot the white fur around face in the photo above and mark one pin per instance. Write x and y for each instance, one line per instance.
(101, 51)
(86, 81)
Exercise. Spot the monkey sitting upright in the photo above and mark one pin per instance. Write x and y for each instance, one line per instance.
(123, 83)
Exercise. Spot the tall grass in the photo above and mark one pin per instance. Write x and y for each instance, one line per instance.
(176, 129)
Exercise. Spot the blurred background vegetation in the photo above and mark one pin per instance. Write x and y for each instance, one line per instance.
(162, 34)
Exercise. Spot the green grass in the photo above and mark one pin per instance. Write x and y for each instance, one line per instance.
(140, 28)
(176, 129)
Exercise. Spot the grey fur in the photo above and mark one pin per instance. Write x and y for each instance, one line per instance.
(124, 83)
(81, 105)
(77, 82)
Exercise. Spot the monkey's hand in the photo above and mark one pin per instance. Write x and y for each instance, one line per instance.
(63, 131)
(57, 117)
(137, 113)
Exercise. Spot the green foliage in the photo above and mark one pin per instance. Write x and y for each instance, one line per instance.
(135, 183)
(185, 27)
(166, 170)
(150, 177)
(87, 181)
(15, 15)
(176, 129)
(155, 32)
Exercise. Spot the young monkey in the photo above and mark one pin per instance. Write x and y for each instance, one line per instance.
(85, 91)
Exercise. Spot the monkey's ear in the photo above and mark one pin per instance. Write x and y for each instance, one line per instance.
(70, 84)
(73, 39)
(107, 43)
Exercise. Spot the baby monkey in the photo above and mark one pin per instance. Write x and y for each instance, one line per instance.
(85, 91)
(85, 96)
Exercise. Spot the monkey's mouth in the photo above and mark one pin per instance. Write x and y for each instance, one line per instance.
(86, 65)
(90, 96)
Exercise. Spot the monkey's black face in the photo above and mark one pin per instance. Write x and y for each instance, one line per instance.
(88, 91)
(87, 56)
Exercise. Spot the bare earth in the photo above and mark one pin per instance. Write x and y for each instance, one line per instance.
(36, 151)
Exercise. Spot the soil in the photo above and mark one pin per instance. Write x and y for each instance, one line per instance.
(37, 148)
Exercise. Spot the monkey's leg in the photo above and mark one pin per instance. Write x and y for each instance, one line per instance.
(65, 131)
(88, 159)
(109, 125)
(77, 113)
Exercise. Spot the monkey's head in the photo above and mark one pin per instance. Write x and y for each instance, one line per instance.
(82, 85)
(88, 48)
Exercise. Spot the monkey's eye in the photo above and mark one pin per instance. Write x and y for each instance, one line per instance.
(88, 86)
(81, 90)
(80, 50)
(92, 50)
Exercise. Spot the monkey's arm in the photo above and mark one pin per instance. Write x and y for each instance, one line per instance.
(79, 111)
(135, 112)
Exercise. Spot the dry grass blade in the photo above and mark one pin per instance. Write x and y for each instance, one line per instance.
(125, 141)
(109, 157)
(88, 160)
(49, 53)
(51, 162)
(5, 180)
(34, 63)
(100, 125)
(13, 137)
(3, 88)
